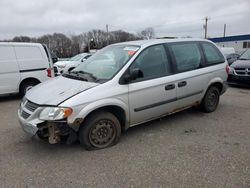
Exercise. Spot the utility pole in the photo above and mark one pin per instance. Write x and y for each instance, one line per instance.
(224, 33)
(107, 29)
(205, 26)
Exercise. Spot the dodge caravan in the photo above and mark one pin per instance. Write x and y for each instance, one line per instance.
(123, 85)
(23, 65)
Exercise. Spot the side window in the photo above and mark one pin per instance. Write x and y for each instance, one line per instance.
(187, 56)
(212, 54)
(153, 63)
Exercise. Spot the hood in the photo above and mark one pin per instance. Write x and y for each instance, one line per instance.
(57, 90)
(60, 63)
(241, 64)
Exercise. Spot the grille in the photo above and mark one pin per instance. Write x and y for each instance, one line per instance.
(242, 71)
(25, 115)
(31, 106)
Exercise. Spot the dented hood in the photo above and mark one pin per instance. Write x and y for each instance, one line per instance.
(57, 90)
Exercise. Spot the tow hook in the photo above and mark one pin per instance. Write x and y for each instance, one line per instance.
(54, 137)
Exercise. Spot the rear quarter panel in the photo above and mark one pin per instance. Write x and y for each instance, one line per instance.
(31, 59)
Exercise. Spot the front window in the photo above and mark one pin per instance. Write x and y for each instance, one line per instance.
(153, 62)
(245, 55)
(104, 64)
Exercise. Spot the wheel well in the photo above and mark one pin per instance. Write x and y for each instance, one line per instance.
(115, 110)
(28, 80)
(218, 85)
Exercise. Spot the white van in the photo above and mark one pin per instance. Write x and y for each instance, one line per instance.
(22, 66)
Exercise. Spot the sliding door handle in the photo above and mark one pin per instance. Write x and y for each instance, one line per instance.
(182, 84)
(170, 86)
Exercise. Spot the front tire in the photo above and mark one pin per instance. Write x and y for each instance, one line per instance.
(210, 100)
(101, 129)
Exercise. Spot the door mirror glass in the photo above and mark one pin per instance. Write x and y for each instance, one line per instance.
(135, 73)
(54, 59)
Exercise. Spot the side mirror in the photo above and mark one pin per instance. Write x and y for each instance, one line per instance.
(136, 73)
(54, 59)
(133, 75)
(83, 59)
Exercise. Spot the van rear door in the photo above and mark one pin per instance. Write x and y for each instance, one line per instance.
(9, 70)
(50, 70)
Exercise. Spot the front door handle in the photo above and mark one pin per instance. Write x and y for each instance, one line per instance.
(170, 86)
(182, 84)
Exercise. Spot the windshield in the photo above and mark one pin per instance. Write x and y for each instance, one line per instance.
(76, 57)
(104, 64)
(245, 55)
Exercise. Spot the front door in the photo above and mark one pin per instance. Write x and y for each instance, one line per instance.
(155, 93)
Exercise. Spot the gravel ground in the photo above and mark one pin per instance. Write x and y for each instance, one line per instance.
(187, 149)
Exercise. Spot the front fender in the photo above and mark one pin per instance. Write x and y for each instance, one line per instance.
(96, 105)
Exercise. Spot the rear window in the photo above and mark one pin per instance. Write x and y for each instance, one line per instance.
(187, 56)
(212, 54)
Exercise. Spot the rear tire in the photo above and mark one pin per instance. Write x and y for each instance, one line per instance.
(27, 86)
(100, 130)
(210, 100)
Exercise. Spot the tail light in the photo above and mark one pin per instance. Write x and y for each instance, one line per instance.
(49, 72)
(227, 69)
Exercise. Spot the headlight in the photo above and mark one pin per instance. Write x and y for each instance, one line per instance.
(55, 113)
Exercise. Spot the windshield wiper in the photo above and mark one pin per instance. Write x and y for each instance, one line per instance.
(243, 59)
(87, 73)
(77, 77)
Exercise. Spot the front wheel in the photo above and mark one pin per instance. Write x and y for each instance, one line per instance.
(101, 130)
(210, 100)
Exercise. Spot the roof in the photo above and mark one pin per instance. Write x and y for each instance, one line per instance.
(231, 38)
(20, 43)
(158, 41)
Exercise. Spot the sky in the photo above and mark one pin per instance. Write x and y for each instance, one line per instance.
(178, 18)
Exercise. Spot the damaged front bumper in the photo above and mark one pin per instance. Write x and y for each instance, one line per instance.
(51, 131)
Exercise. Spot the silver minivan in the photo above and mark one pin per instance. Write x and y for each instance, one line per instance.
(123, 85)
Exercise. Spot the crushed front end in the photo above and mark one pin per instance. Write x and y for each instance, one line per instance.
(53, 128)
